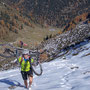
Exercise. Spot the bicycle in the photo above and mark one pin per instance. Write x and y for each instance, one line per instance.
(8, 51)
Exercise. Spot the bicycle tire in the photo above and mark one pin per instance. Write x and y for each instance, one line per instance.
(6, 52)
(35, 71)
(6, 56)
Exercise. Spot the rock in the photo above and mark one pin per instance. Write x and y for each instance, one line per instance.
(53, 46)
(74, 67)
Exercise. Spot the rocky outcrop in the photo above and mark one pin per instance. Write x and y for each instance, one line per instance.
(53, 46)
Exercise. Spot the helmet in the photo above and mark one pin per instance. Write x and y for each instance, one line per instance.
(25, 52)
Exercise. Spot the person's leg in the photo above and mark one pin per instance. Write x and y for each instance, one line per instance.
(25, 83)
(30, 77)
(30, 80)
(24, 76)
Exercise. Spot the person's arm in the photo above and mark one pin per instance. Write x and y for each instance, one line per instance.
(20, 59)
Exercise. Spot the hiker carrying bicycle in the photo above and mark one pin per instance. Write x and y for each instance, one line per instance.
(26, 70)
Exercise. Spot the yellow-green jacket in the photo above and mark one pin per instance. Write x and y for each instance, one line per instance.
(25, 65)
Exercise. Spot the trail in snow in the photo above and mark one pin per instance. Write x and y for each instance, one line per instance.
(72, 73)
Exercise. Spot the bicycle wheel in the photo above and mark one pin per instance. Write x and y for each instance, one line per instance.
(37, 68)
(6, 51)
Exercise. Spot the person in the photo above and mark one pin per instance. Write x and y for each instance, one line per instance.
(21, 44)
(26, 70)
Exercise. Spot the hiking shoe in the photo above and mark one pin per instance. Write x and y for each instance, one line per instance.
(29, 88)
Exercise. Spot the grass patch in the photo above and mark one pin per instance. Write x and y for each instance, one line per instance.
(34, 36)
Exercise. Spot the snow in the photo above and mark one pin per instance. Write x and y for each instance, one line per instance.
(72, 73)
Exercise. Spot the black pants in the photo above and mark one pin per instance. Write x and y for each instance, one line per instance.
(26, 74)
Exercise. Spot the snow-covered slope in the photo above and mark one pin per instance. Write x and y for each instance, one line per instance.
(72, 73)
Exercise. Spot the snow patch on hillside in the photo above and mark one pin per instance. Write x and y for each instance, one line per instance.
(72, 73)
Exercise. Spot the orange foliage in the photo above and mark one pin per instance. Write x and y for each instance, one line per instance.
(28, 23)
(60, 32)
(17, 9)
(14, 21)
(83, 16)
(14, 29)
(20, 1)
(77, 19)
(2, 22)
(31, 13)
(71, 27)
(25, 21)
(88, 21)
(43, 57)
(8, 25)
(3, 32)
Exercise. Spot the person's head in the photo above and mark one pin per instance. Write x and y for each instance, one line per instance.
(25, 54)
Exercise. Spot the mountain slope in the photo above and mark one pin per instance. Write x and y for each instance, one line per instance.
(15, 26)
(56, 13)
(11, 22)
(52, 12)
(65, 40)
(72, 73)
